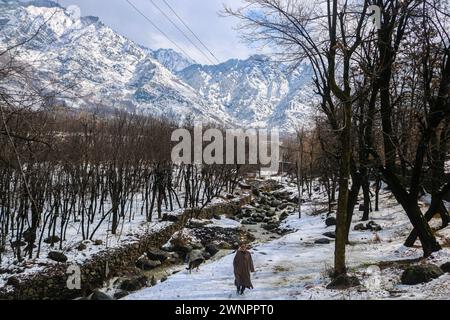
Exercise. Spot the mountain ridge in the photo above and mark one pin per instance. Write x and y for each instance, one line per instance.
(109, 69)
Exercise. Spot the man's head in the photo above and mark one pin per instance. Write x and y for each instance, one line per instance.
(242, 246)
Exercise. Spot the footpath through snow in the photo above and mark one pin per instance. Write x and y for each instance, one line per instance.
(294, 267)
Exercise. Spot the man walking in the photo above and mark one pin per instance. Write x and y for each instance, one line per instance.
(243, 266)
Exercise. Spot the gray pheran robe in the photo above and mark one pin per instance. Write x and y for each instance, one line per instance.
(243, 265)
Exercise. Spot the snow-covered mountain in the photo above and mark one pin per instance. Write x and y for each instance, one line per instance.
(257, 92)
(90, 64)
(172, 60)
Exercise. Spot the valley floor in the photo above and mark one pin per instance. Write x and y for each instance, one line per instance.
(294, 267)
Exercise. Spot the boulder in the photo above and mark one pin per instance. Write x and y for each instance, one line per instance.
(248, 222)
(206, 255)
(372, 226)
(52, 240)
(157, 255)
(211, 249)
(81, 247)
(258, 219)
(98, 242)
(147, 264)
(120, 294)
(421, 274)
(193, 224)
(256, 192)
(271, 226)
(331, 221)
(182, 248)
(446, 267)
(170, 218)
(360, 227)
(284, 216)
(275, 203)
(322, 241)
(225, 246)
(98, 295)
(271, 213)
(133, 284)
(331, 234)
(57, 256)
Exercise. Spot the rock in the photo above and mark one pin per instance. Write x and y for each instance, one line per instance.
(248, 213)
(225, 245)
(57, 256)
(193, 224)
(331, 235)
(13, 281)
(360, 227)
(147, 264)
(446, 267)
(256, 192)
(120, 294)
(170, 218)
(331, 221)
(98, 295)
(81, 247)
(197, 246)
(133, 284)
(373, 226)
(244, 186)
(343, 282)
(271, 213)
(284, 216)
(206, 255)
(271, 226)
(322, 241)
(153, 282)
(182, 249)
(283, 206)
(248, 222)
(163, 279)
(421, 274)
(211, 249)
(98, 242)
(52, 240)
(217, 217)
(157, 255)
(258, 219)
(275, 203)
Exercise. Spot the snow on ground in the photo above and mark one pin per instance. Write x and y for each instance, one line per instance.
(129, 231)
(293, 267)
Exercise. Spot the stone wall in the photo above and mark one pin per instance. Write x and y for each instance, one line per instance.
(51, 282)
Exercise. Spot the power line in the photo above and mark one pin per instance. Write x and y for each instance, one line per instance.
(184, 34)
(157, 28)
(187, 27)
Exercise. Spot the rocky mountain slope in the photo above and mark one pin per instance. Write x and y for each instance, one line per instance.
(88, 65)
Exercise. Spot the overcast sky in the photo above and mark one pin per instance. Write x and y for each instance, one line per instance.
(201, 16)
